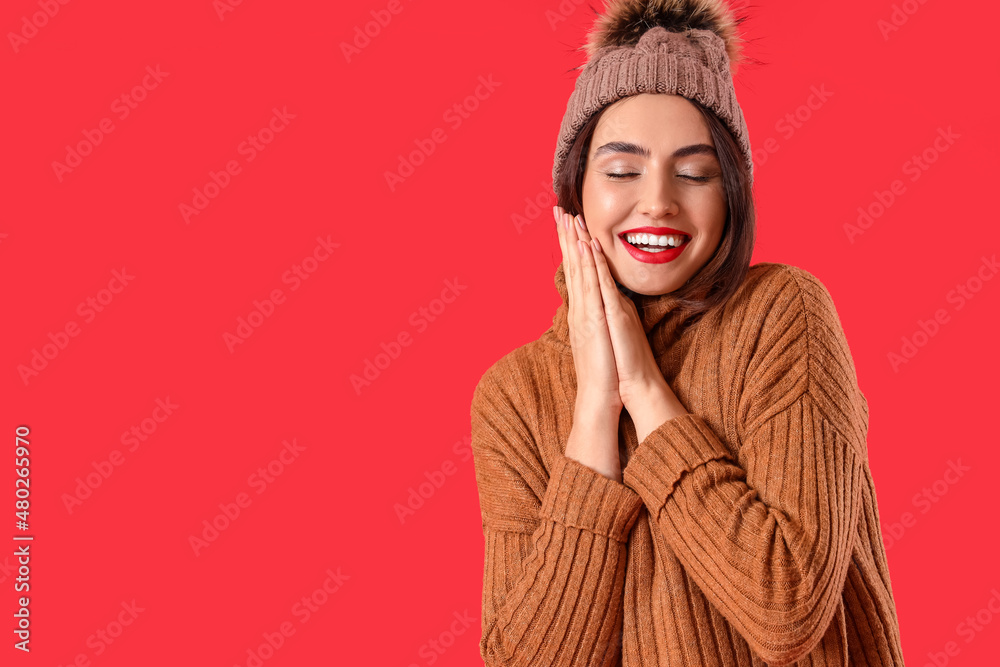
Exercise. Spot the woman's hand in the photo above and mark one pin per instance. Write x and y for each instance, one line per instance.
(635, 366)
(593, 439)
(643, 390)
(615, 366)
(597, 380)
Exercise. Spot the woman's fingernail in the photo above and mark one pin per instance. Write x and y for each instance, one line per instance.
(555, 214)
(579, 221)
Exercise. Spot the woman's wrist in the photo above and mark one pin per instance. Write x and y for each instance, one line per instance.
(602, 407)
(593, 439)
(653, 406)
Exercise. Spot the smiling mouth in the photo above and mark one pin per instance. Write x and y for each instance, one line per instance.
(653, 243)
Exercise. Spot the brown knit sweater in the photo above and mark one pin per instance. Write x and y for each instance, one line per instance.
(746, 532)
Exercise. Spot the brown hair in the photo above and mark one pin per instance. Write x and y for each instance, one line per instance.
(723, 274)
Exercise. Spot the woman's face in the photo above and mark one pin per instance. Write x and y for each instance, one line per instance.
(651, 166)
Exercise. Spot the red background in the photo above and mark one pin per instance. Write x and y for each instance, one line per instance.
(474, 211)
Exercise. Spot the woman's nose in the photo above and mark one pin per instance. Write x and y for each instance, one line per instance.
(657, 196)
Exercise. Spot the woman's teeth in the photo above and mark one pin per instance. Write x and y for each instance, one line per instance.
(654, 243)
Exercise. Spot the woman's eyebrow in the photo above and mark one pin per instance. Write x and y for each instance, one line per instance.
(642, 151)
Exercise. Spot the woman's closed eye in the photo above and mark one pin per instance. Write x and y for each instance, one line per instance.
(620, 175)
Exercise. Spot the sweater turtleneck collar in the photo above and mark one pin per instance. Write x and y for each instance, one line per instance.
(659, 314)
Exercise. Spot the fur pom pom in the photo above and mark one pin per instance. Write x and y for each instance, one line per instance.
(624, 21)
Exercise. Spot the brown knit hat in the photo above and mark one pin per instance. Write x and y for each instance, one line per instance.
(685, 47)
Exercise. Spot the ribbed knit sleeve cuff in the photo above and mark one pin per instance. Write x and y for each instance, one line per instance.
(578, 496)
(677, 446)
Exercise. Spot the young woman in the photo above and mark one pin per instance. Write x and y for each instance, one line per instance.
(676, 472)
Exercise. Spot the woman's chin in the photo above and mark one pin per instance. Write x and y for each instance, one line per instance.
(632, 287)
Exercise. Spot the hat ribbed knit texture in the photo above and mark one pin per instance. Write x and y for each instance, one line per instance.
(693, 64)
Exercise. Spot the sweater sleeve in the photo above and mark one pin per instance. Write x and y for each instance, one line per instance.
(767, 534)
(554, 566)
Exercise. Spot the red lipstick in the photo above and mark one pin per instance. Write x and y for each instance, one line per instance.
(659, 231)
